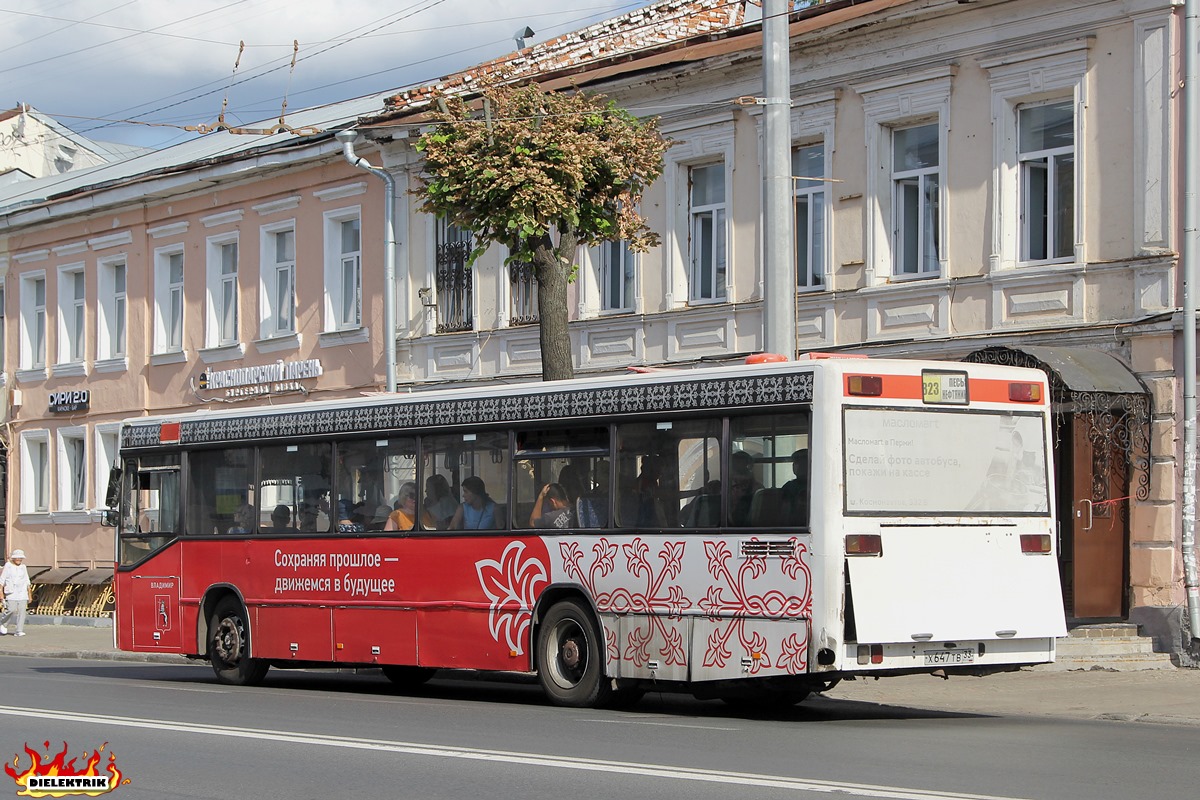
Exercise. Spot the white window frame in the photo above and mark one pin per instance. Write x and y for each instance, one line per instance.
(698, 141)
(1026, 78)
(627, 262)
(1045, 161)
(72, 314)
(810, 190)
(107, 451)
(168, 299)
(222, 315)
(335, 265)
(73, 472)
(901, 101)
(720, 245)
(33, 321)
(112, 310)
(35, 472)
(271, 324)
(903, 180)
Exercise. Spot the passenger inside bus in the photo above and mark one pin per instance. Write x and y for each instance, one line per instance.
(552, 509)
(478, 512)
(795, 491)
(592, 508)
(281, 520)
(404, 517)
(243, 519)
(742, 487)
(439, 501)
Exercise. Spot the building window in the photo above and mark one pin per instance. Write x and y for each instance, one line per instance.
(277, 280)
(111, 316)
(453, 278)
(916, 182)
(707, 232)
(222, 304)
(808, 172)
(1046, 154)
(343, 270)
(35, 472)
(523, 300)
(33, 322)
(73, 470)
(617, 276)
(72, 299)
(168, 296)
(107, 453)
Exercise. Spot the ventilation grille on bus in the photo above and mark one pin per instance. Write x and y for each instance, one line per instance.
(768, 548)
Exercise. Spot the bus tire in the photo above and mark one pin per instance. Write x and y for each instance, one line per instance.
(571, 657)
(229, 646)
(407, 678)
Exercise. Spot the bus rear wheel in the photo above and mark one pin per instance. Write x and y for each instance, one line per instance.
(229, 646)
(571, 657)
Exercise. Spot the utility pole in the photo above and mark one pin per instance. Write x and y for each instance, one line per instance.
(779, 275)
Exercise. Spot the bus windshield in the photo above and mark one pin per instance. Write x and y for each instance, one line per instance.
(945, 463)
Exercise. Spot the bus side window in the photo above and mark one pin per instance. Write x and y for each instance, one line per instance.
(220, 483)
(663, 469)
(769, 464)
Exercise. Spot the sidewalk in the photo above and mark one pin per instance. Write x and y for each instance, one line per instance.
(1169, 696)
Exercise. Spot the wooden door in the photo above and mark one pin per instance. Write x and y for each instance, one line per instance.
(1099, 521)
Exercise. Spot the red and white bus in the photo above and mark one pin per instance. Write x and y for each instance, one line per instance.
(753, 532)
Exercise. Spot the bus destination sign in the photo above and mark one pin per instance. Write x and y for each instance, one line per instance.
(944, 388)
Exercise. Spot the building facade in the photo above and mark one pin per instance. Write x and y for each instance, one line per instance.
(997, 180)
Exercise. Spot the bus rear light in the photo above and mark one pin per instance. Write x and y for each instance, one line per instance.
(1025, 392)
(870, 654)
(864, 544)
(1035, 543)
(864, 385)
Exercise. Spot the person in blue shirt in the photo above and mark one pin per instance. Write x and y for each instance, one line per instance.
(478, 511)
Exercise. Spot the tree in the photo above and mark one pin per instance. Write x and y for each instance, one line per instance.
(542, 173)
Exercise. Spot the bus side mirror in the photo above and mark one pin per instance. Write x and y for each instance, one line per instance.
(113, 495)
(108, 518)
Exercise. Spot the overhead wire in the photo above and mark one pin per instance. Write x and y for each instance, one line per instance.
(234, 145)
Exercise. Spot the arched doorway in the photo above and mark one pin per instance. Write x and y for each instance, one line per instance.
(1102, 462)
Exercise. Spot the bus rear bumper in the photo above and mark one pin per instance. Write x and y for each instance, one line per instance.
(962, 656)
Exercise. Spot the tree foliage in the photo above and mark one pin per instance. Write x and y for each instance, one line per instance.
(542, 173)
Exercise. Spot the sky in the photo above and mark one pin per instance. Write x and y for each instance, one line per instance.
(139, 71)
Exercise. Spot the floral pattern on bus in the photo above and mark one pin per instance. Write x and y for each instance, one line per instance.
(651, 588)
(730, 611)
(511, 584)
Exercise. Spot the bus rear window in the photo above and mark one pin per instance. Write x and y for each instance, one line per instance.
(944, 463)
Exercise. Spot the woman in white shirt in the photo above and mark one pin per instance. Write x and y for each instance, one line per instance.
(14, 579)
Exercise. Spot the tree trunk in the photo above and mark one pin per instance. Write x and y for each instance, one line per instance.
(552, 278)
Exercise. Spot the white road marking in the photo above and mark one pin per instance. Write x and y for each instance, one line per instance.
(741, 779)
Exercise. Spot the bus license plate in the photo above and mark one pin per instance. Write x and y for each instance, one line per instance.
(941, 658)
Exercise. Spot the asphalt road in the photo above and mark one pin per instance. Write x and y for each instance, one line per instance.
(174, 733)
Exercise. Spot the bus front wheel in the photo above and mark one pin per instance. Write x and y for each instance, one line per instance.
(571, 657)
(229, 646)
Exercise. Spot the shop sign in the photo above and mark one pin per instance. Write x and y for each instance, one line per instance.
(64, 402)
(282, 377)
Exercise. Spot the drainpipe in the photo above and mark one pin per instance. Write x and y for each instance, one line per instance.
(347, 138)
(1187, 256)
